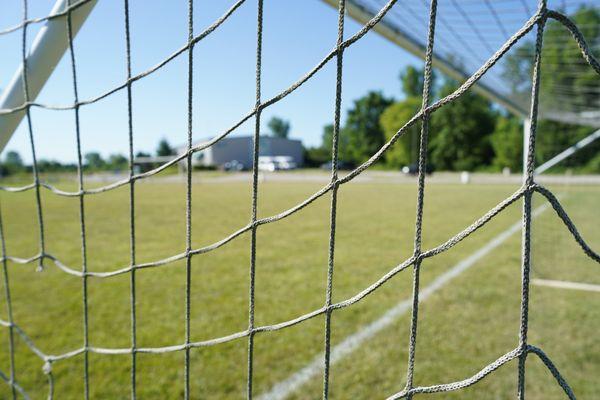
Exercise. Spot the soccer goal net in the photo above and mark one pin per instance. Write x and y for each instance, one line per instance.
(18, 103)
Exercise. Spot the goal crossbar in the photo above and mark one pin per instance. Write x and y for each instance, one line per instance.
(359, 13)
(47, 49)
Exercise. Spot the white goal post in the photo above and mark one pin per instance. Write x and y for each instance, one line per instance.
(47, 49)
(568, 152)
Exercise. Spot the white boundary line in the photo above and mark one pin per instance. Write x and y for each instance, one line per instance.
(590, 287)
(284, 388)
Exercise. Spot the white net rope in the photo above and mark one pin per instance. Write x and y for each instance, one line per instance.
(523, 348)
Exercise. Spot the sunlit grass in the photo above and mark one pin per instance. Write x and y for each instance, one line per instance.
(463, 327)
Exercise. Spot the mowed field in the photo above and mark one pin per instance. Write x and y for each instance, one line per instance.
(465, 325)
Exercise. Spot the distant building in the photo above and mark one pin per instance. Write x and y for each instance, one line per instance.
(239, 148)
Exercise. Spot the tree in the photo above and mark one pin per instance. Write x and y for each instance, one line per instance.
(316, 156)
(560, 62)
(567, 84)
(594, 165)
(362, 128)
(412, 80)
(405, 150)
(94, 161)
(141, 154)
(117, 162)
(554, 137)
(13, 159)
(343, 140)
(164, 149)
(279, 127)
(13, 163)
(461, 137)
(54, 166)
(507, 142)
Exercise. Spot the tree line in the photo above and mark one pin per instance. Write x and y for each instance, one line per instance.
(93, 161)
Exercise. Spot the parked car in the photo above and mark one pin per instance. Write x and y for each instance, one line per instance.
(276, 163)
(233, 165)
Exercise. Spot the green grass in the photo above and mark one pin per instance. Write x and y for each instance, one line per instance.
(463, 327)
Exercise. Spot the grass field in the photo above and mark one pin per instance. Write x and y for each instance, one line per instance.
(463, 327)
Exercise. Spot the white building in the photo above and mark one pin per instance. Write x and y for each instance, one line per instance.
(239, 148)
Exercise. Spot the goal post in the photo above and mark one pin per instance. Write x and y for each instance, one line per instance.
(568, 152)
(48, 47)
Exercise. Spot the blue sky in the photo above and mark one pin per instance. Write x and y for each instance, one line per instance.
(297, 34)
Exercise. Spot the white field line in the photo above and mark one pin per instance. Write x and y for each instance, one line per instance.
(590, 287)
(284, 388)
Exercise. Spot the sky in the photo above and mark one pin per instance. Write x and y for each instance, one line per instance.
(296, 36)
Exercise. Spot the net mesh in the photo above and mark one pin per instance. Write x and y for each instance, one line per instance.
(536, 22)
(468, 32)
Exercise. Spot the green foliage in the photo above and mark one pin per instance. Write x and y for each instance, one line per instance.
(164, 149)
(344, 153)
(594, 165)
(13, 159)
(518, 69)
(360, 137)
(117, 162)
(362, 128)
(94, 161)
(405, 150)
(412, 81)
(314, 157)
(507, 142)
(279, 127)
(555, 137)
(13, 163)
(55, 166)
(563, 64)
(469, 134)
(460, 132)
(564, 75)
(561, 61)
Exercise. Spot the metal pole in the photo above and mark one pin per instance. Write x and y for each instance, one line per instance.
(568, 152)
(46, 51)
(526, 132)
